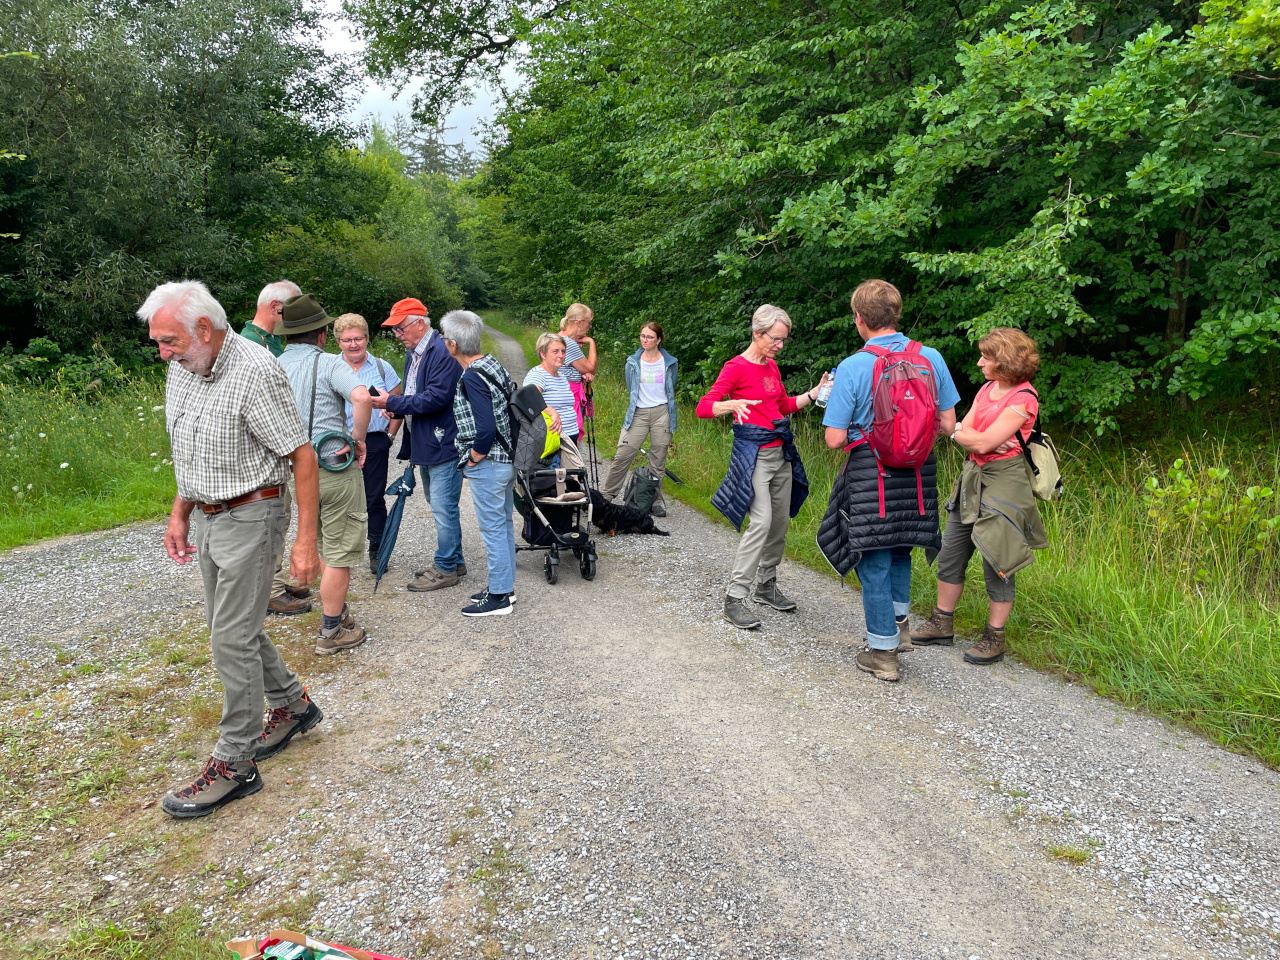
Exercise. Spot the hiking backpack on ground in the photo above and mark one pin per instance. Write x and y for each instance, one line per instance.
(642, 490)
(904, 411)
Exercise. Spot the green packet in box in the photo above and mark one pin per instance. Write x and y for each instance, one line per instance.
(288, 951)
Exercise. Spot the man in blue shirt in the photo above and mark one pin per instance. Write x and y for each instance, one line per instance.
(878, 540)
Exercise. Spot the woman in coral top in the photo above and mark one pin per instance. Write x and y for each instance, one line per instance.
(992, 509)
(766, 480)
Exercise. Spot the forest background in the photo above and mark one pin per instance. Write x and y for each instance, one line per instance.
(1103, 175)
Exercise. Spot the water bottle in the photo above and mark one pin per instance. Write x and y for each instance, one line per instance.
(824, 391)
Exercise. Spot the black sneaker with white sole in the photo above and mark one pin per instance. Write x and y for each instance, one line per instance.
(477, 597)
(489, 605)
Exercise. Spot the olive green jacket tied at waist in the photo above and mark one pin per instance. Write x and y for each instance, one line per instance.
(996, 498)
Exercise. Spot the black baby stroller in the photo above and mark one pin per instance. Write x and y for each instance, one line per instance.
(554, 501)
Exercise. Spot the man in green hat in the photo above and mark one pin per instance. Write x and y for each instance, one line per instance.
(322, 387)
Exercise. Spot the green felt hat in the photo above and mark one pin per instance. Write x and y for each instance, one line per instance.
(302, 314)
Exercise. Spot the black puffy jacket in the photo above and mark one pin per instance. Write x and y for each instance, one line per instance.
(853, 523)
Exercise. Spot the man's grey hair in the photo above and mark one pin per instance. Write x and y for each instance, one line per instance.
(464, 328)
(766, 316)
(192, 300)
(281, 290)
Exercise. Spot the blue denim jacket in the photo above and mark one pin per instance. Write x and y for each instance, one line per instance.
(632, 371)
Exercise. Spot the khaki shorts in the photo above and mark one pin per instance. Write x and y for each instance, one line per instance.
(344, 520)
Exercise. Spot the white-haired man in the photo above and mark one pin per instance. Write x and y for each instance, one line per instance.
(234, 430)
(262, 328)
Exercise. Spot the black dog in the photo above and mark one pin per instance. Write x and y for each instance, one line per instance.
(613, 519)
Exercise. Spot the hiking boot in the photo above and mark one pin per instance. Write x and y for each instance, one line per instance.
(938, 630)
(348, 618)
(373, 557)
(769, 594)
(301, 592)
(736, 612)
(460, 570)
(881, 664)
(477, 597)
(489, 605)
(433, 578)
(284, 723)
(657, 510)
(989, 649)
(341, 637)
(219, 783)
(287, 606)
(904, 635)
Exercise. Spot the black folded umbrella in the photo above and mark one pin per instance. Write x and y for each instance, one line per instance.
(400, 489)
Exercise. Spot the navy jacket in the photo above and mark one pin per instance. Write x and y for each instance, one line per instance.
(852, 523)
(428, 438)
(734, 497)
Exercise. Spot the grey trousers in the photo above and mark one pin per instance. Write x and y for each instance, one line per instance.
(280, 580)
(760, 550)
(236, 550)
(651, 422)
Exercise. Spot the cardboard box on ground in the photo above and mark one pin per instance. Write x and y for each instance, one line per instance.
(287, 945)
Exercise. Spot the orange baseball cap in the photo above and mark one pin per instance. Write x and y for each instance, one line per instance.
(404, 309)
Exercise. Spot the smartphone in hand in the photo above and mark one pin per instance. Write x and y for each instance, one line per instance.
(373, 392)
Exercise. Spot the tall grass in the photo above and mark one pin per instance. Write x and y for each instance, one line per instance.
(73, 464)
(1161, 584)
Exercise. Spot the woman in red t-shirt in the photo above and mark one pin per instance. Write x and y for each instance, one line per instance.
(992, 508)
(751, 388)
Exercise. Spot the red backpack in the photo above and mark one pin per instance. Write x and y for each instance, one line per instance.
(904, 411)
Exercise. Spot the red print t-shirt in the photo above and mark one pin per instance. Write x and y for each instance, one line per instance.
(743, 380)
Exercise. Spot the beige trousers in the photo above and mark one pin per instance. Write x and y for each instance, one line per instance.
(760, 550)
(651, 422)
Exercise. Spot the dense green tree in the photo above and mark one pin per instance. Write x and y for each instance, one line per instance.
(1098, 174)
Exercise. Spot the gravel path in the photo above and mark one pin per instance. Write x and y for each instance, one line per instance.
(613, 771)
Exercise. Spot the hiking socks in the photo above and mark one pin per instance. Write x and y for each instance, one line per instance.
(331, 624)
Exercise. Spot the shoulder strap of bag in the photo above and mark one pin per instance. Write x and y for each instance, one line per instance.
(315, 383)
(382, 372)
(495, 385)
(1036, 435)
(875, 350)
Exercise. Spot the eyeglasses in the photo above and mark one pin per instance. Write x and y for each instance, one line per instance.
(780, 341)
(352, 341)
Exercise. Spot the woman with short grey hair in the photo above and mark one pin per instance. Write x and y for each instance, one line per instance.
(484, 449)
(766, 480)
(464, 328)
(555, 388)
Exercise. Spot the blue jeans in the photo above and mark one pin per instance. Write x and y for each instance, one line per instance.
(886, 593)
(492, 486)
(442, 486)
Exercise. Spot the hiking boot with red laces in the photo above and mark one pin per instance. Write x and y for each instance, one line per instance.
(218, 784)
(284, 724)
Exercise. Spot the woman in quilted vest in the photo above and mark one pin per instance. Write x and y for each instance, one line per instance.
(766, 480)
(992, 509)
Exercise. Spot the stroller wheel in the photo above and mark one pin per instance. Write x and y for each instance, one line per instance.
(552, 569)
(588, 565)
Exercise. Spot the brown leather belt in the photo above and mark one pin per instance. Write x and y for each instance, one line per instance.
(266, 493)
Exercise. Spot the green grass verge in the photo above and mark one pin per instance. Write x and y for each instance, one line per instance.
(73, 464)
(180, 935)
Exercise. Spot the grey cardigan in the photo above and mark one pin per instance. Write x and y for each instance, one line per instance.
(632, 371)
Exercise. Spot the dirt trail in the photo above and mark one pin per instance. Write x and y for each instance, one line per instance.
(612, 771)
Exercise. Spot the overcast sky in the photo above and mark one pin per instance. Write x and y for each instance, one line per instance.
(381, 103)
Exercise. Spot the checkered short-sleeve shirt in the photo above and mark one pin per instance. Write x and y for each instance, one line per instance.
(232, 431)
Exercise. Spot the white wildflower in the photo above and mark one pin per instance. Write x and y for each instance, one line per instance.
(157, 409)
(63, 465)
(155, 454)
(42, 436)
